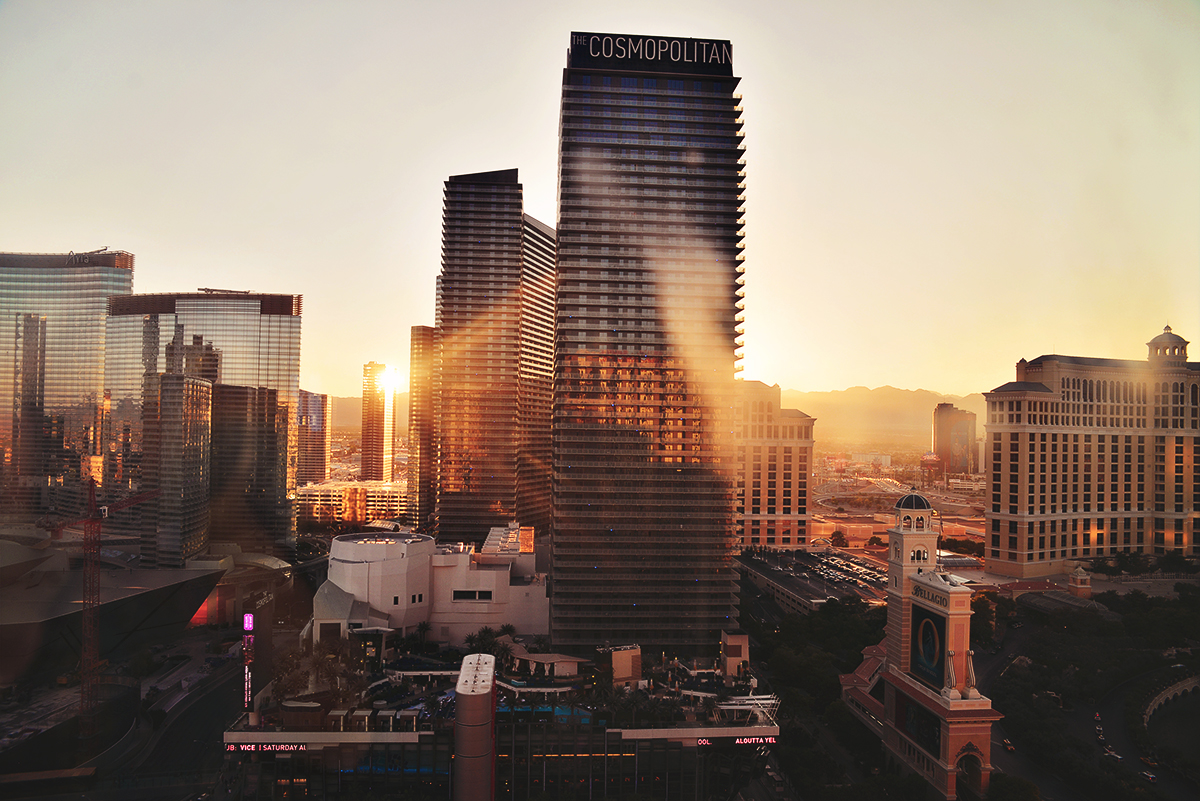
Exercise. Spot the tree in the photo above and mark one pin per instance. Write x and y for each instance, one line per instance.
(1012, 788)
(508, 629)
(1174, 562)
(503, 652)
(838, 540)
(876, 541)
(982, 620)
(423, 629)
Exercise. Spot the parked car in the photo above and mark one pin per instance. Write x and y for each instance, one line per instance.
(1113, 755)
(1148, 776)
(1008, 746)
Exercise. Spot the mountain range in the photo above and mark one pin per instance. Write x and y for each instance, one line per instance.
(883, 418)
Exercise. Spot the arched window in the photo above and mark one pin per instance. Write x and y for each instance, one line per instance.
(907, 522)
(920, 523)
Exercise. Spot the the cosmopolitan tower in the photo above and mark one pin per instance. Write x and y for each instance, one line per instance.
(52, 338)
(378, 421)
(492, 370)
(649, 270)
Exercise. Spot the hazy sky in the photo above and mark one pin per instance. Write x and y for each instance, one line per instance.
(935, 189)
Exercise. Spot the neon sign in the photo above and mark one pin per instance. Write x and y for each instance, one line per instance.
(266, 747)
(705, 741)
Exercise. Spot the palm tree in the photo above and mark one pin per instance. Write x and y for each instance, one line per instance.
(709, 706)
(503, 653)
(423, 629)
(509, 629)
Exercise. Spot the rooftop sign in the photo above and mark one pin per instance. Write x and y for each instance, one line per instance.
(629, 53)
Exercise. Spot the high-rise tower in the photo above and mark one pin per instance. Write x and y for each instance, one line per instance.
(422, 455)
(649, 275)
(52, 338)
(492, 372)
(1081, 450)
(241, 354)
(378, 418)
(316, 435)
(954, 439)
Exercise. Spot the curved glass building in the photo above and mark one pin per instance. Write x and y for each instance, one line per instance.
(53, 411)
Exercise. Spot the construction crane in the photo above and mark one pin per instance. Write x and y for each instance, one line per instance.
(89, 663)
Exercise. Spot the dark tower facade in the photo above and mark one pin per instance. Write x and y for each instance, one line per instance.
(954, 439)
(492, 369)
(227, 437)
(648, 292)
(422, 455)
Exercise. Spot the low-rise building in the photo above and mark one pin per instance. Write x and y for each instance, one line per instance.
(399, 580)
(350, 502)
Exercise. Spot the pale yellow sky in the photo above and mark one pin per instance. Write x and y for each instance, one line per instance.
(935, 189)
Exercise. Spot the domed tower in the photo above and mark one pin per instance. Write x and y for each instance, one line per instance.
(1167, 350)
(912, 551)
(935, 722)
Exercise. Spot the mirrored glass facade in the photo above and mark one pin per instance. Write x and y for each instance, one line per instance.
(247, 347)
(316, 434)
(53, 413)
(378, 422)
(649, 274)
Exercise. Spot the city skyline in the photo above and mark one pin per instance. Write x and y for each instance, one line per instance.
(952, 155)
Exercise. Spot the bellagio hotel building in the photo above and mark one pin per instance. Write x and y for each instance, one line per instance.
(1091, 457)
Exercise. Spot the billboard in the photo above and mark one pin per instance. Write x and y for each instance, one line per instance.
(927, 654)
(666, 54)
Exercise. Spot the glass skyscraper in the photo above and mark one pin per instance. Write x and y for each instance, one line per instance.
(649, 275)
(316, 435)
(492, 371)
(422, 459)
(245, 349)
(53, 413)
(378, 422)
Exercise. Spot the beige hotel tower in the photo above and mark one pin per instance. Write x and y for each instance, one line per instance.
(1091, 457)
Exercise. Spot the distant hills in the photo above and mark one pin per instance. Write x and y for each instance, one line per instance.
(880, 418)
(883, 418)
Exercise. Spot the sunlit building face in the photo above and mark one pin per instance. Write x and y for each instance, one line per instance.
(495, 318)
(378, 420)
(52, 335)
(1094, 458)
(649, 270)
